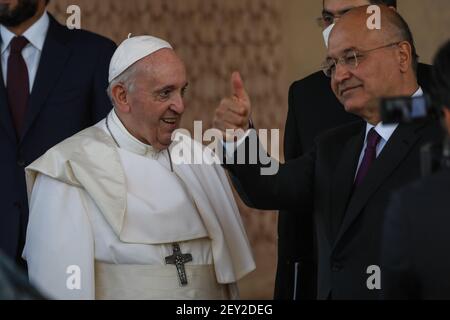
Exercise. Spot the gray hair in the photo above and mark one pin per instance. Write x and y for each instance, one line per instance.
(126, 79)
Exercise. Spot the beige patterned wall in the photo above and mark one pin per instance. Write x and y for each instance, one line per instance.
(272, 43)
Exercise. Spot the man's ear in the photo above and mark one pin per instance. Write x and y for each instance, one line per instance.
(446, 112)
(120, 97)
(405, 56)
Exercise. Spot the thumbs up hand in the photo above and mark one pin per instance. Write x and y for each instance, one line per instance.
(234, 111)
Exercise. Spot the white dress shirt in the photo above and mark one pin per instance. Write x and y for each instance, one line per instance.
(385, 132)
(35, 35)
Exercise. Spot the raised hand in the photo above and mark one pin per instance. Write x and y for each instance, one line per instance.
(234, 111)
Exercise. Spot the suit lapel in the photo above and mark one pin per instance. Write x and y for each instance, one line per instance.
(5, 114)
(53, 59)
(342, 185)
(390, 158)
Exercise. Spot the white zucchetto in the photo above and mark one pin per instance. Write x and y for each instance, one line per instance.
(132, 50)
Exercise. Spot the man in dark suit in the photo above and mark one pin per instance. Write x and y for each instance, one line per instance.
(313, 109)
(416, 242)
(348, 176)
(53, 85)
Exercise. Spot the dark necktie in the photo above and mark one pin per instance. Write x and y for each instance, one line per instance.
(370, 154)
(17, 83)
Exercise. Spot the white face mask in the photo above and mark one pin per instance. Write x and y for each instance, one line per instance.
(326, 33)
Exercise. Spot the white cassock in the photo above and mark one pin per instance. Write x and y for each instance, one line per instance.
(104, 218)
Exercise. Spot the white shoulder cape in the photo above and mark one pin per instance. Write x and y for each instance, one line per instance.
(90, 160)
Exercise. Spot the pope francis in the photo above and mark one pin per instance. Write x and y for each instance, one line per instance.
(113, 217)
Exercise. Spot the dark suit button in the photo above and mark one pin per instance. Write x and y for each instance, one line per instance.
(21, 163)
(17, 204)
(336, 267)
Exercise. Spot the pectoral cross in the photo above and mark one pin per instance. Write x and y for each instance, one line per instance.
(179, 259)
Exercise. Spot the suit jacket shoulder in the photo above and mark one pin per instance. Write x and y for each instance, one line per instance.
(341, 133)
(77, 37)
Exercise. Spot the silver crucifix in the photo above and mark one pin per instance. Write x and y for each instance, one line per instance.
(179, 259)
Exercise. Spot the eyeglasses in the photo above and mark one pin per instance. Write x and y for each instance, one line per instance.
(351, 59)
(326, 20)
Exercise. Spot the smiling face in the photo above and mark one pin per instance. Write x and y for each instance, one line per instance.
(379, 73)
(152, 110)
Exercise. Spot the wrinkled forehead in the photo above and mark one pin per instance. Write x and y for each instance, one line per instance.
(342, 41)
(351, 34)
(163, 67)
(164, 59)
